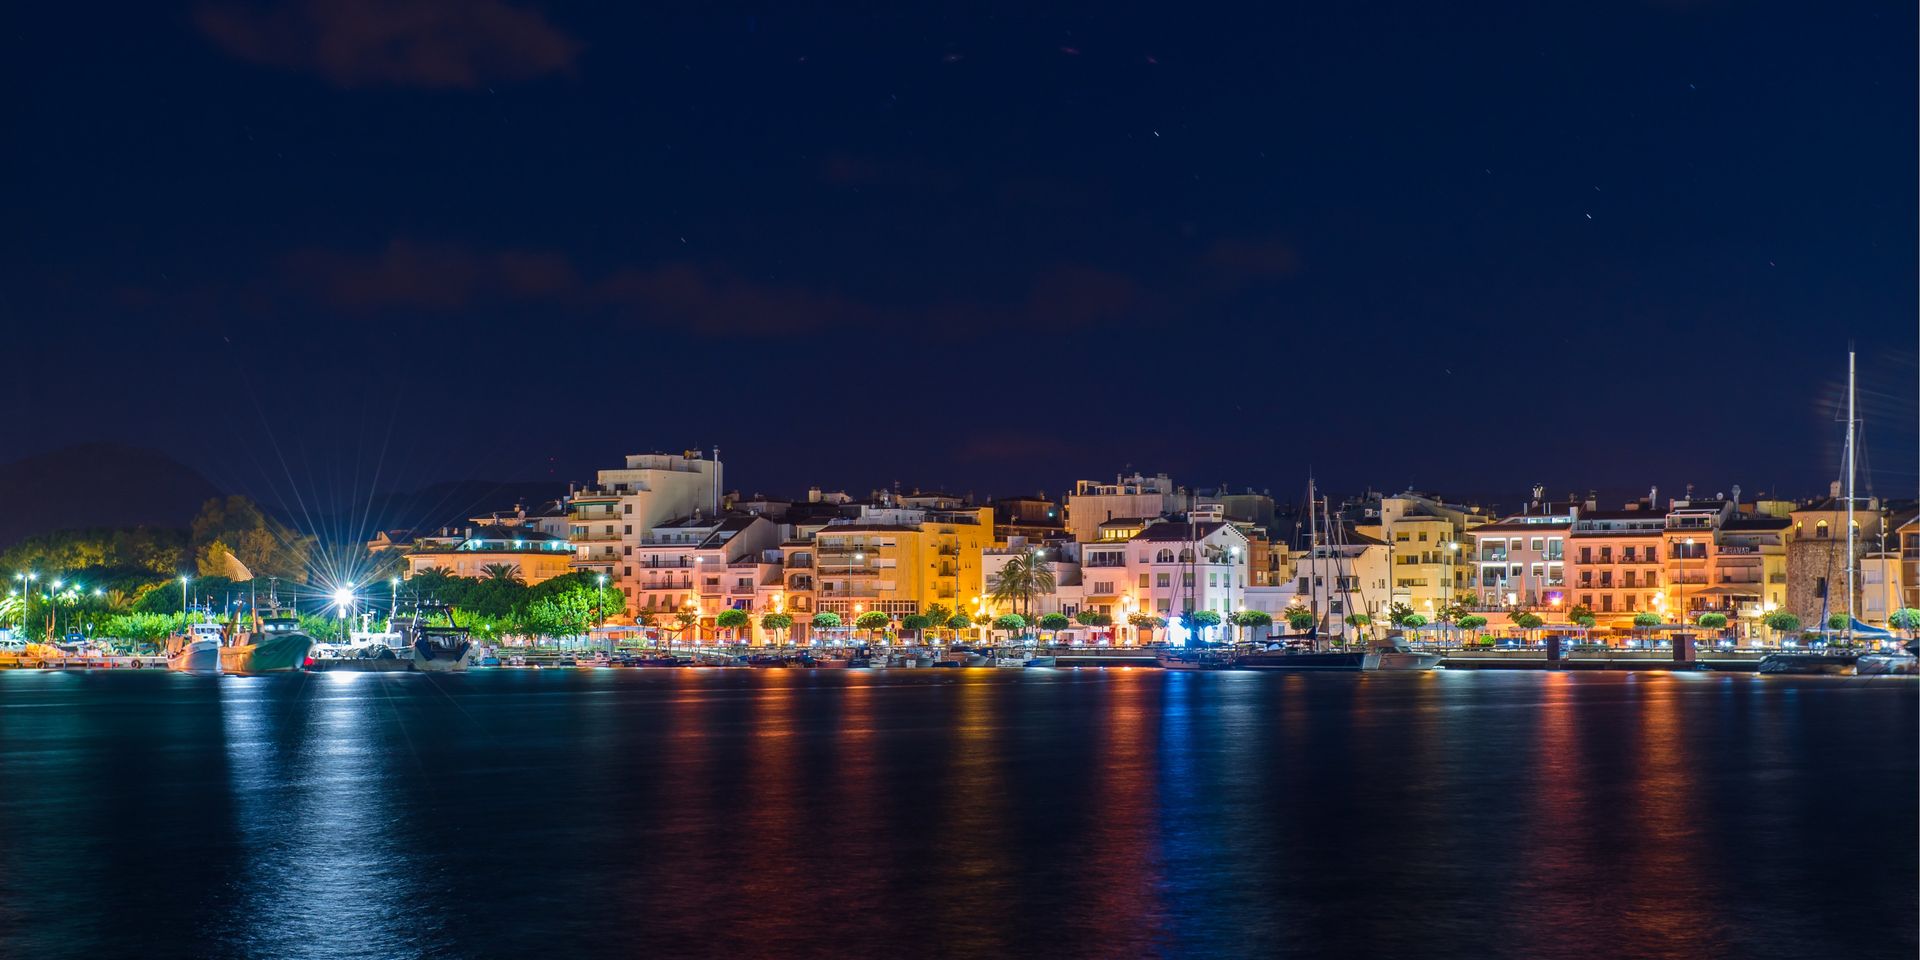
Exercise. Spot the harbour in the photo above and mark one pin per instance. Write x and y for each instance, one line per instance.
(1100, 813)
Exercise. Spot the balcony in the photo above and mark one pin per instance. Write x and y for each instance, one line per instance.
(594, 537)
(675, 563)
(799, 561)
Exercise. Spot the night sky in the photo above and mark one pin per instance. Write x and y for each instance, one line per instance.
(1593, 245)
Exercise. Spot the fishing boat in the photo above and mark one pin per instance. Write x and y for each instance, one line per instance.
(1041, 662)
(435, 648)
(278, 646)
(196, 651)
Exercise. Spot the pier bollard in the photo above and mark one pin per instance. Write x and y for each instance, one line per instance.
(1683, 649)
(1555, 650)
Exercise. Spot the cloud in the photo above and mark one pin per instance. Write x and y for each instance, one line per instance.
(428, 276)
(1236, 263)
(718, 301)
(707, 298)
(437, 44)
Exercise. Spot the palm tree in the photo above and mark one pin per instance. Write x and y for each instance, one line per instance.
(502, 573)
(1024, 576)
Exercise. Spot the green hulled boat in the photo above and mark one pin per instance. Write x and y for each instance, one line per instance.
(277, 647)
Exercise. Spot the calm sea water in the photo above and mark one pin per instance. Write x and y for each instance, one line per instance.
(957, 813)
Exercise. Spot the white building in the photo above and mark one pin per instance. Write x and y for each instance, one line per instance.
(610, 521)
(1521, 559)
(1177, 566)
(1337, 580)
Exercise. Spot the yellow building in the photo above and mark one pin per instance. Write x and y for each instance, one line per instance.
(532, 556)
(1432, 554)
(899, 561)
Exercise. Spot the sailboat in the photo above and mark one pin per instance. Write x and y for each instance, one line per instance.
(1832, 660)
(1308, 655)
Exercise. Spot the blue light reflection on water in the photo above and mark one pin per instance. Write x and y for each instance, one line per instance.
(1073, 813)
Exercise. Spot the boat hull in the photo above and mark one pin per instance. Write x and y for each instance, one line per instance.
(431, 658)
(200, 656)
(1392, 660)
(1809, 664)
(1324, 662)
(1887, 665)
(275, 654)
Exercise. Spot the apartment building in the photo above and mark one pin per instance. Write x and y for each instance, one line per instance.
(1614, 565)
(1093, 503)
(897, 559)
(1428, 541)
(1522, 559)
(529, 554)
(617, 516)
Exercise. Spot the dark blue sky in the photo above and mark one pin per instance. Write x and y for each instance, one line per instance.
(1593, 246)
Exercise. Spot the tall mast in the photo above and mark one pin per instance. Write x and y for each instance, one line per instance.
(1851, 426)
(1313, 556)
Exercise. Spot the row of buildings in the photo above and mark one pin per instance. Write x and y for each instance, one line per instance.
(663, 530)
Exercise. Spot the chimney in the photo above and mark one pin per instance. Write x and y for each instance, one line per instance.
(813, 494)
(1833, 489)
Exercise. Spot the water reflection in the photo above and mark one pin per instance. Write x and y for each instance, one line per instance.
(324, 874)
(956, 813)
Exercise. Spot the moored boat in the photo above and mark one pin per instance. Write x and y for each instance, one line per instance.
(198, 651)
(1811, 663)
(1345, 661)
(1400, 656)
(277, 647)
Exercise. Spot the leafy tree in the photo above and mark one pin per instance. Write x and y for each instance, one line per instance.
(732, 621)
(1905, 618)
(146, 628)
(1528, 621)
(1143, 620)
(1644, 621)
(1012, 623)
(918, 623)
(266, 546)
(1055, 622)
(1250, 619)
(1581, 614)
(1779, 621)
(1398, 613)
(1092, 618)
(1197, 621)
(959, 621)
(937, 615)
(1837, 621)
(1711, 621)
(870, 621)
(776, 623)
(826, 620)
(1358, 620)
(1300, 618)
(1471, 621)
(1412, 620)
(1024, 577)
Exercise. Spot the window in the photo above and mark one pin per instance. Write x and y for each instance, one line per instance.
(1423, 536)
(629, 528)
(1164, 556)
(1213, 579)
(1186, 578)
(1162, 579)
(1820, 530)
(626, 571)
(627, 550)
(1586, 554)
(626, 508)
(1143, 581)
(1538, 544)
